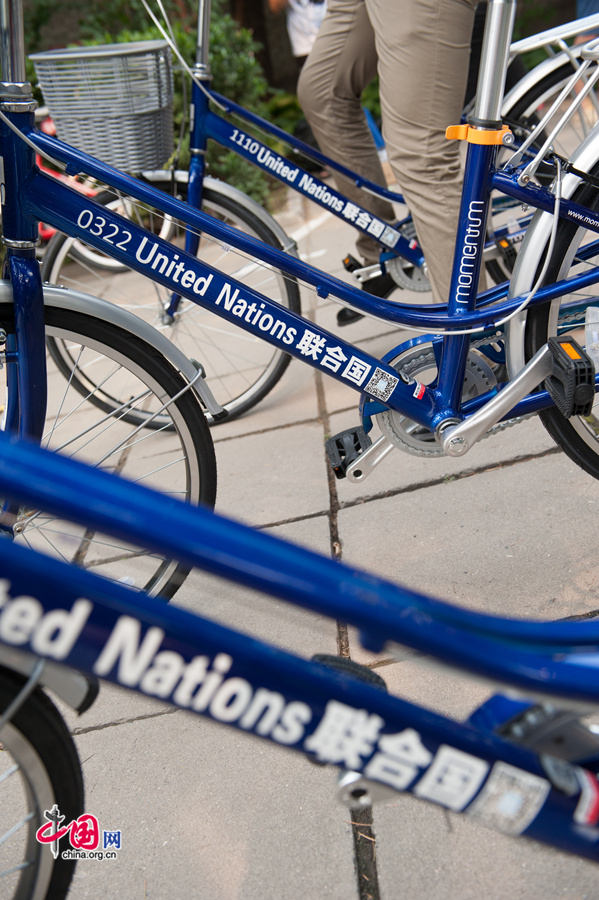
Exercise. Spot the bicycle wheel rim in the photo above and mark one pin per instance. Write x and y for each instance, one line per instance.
(508, 223)
(177, 460)
(579, 435)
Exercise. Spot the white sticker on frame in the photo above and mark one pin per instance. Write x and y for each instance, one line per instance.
(510, 800)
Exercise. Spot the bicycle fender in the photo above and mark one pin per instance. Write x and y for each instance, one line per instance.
(287, 243)
(532, 77)
(76, 690)
(65, 298)
(181, 176)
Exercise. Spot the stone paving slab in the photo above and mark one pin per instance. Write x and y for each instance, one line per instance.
(291, 401)
(427, 852)
(495, 542)
(258, 477)
(207, 813)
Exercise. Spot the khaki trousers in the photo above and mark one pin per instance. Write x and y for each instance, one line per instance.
(420, 49)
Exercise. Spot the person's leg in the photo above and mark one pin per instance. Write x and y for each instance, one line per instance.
(423, 48)
(340, 65)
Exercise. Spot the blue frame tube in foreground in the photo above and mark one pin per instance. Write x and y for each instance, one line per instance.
(74, 617)
(379, 609)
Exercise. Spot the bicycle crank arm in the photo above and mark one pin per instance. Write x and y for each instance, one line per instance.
(358, 792)
(456, 440)
(361, 467)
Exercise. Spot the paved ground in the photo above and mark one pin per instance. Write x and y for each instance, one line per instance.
(205, 813)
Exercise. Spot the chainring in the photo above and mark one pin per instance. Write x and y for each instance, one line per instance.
(408, 435)
(403, 273)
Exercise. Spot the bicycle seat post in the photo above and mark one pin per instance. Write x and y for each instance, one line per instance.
(202, 65)
(12, 42)
(493, 63)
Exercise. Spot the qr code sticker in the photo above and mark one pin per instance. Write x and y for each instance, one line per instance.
(510, 800)
(381, 384)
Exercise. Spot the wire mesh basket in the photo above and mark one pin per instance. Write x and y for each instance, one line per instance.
(113, 101)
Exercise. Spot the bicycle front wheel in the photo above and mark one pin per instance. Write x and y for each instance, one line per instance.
(97, 412)
(575, 251)
(240, 368)
(39, 768)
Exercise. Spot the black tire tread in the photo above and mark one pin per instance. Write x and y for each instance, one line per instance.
(41, 724)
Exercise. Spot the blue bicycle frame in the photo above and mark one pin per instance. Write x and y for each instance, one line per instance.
(210, 125)
(48, 200)
(40, 197)
(106, 629)
(43, 198)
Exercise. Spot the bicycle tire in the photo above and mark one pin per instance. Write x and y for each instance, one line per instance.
(35, 740)
(240, 369)
(578, 436)
(175, 458)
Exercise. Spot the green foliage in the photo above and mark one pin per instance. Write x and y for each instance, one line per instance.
(236, 72)
(236, 171)
(37, 17)
(103, 22)
(537, 15)
(371, 99)
(284, 110)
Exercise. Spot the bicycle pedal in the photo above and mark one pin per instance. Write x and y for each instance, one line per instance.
(508, 252)
(540, 727)
(350, 263)
(355, 669)
(344, 448)
(571, 384)
(349, 667)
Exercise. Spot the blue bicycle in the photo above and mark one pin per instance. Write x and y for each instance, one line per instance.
(419, 392)
(523, 762)
(240, 370)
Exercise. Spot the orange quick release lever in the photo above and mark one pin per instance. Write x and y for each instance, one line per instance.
(476, 135)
